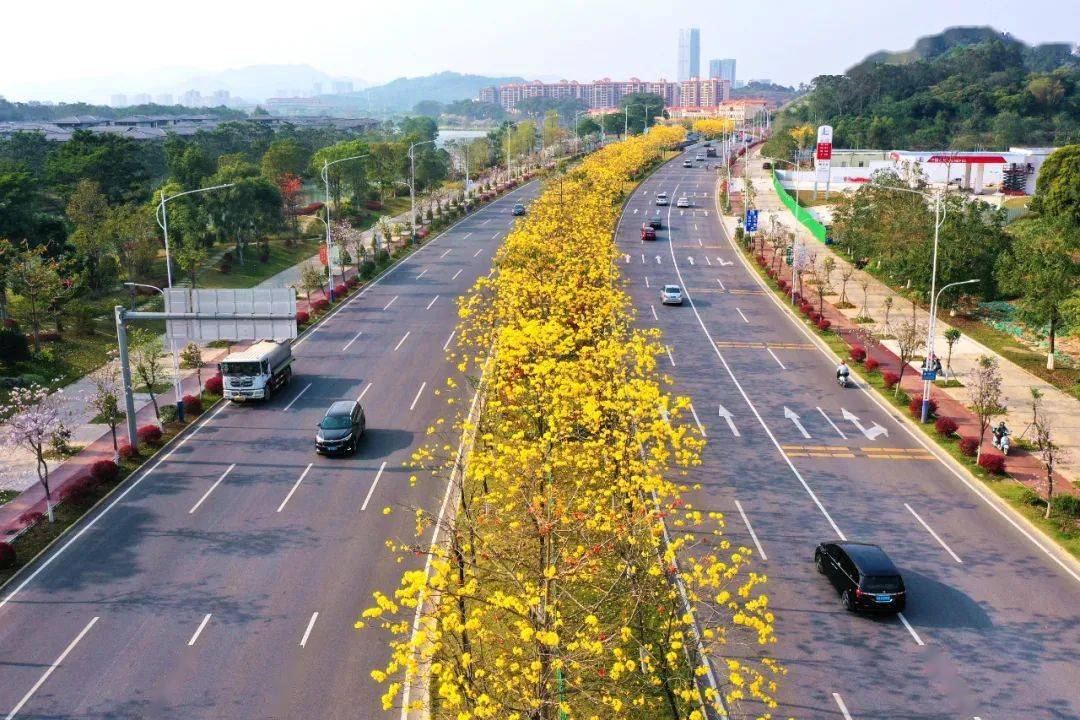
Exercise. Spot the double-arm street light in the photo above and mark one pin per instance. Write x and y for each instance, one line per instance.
(798, 210)
(412, 186)
(177, 391)
(626, 115)
(329, 254)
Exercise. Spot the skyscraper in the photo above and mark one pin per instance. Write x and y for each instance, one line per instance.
(689, 54)
(723, 69)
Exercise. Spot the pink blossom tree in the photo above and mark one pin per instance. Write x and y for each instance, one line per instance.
(32, 415)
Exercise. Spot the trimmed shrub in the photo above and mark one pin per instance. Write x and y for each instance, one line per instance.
(48, 336)
(992, 463)
(814, 316)
(915, 407)
(192, 404)
(104, 471)
(7, 555)
(79, 490)
(858, 353)
(213, 384)
(871, 364)
(302, 317)
(125, 451)
(319, 305)
(150, 434)
(340, 289)
(824, 324)
(945, 426)
(31, 517)
(890, 379)
(353, 281)
(1067, 505)
(969, 446)
(14, 347)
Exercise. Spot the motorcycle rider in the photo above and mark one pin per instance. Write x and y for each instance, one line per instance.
(842, 371)
(1000, 433)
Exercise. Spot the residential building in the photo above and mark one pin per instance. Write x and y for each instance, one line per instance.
(118, 100)
(723, 68)
(192, 98)
(689, 54)
(738, 111)
(163, 99)
(599, 94)
(140, 99)
(704, 93)
(342, 87)
(488, 95)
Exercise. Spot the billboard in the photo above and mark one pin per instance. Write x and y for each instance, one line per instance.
(823, 156)
(231, 314)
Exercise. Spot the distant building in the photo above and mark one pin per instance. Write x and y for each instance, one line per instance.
(118, 100)
(738, 111)
(316, 89)
(342, 87)
(704, 93)
(723, 69)
(759, 81)
(163, 99)
(220, 97)
(140, 99)
(192, 98)
(689, 54)
(597, 95)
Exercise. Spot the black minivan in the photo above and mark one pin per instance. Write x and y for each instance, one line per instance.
(864, 575)
(340, 429)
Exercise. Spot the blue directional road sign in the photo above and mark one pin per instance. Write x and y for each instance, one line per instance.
(929, 375)
(751, 221)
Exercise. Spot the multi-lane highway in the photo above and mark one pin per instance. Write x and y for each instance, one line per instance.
(224, 581)
(992, 626)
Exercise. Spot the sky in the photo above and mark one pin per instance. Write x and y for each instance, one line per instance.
(134, 45)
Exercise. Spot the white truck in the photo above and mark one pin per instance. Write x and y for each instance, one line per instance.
(258, 372)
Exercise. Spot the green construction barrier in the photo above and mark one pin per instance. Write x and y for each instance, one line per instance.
(816, 229)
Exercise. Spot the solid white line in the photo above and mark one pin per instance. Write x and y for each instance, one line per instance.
(402, 340)
(207, 493)
(387, 305)
(373, 484)
(479, 250)
(757, 543)
(198, 631)
(447, 343)
(457, 273)
(296, 398)
(782, 366)
(721, 285)
(432, 302)
(307, 632)
(746, 398)
(418, 392)
(354, 339)
(918, 640)
(653, 308)
(840, 703)
(692, 410)
(50, 670)
(936, 536)
(829, 420)
(295, 485)
(445, 253)
(739, 310)
(668, 349)
(423, 273)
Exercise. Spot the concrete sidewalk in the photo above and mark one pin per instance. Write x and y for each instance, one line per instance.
(1016, 382)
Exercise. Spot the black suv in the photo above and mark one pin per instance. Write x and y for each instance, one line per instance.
(864, 575)
(340, 428)
(655, 222)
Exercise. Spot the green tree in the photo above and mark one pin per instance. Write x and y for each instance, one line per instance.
(148, 363)
(587, 127)
(37, 279)
(247, 211)
(419, 129)
(430, 108)
(89, 211)
(1042, 269)
(283, 157)
(349, 176)
(641, 109)
(188, 163)
(1057, 190)
(112, 161)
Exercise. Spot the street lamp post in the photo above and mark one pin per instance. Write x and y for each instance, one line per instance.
(412, 186)
(626, 116)
(329, 254)
(798, 209)
(177, 390)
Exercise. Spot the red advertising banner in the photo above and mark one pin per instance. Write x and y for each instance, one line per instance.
(322, 254)
(824, 151)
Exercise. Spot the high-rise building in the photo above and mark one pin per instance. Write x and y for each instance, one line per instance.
(689, 54)
(723, 69)
(140, 99)
(341, 87)
(163, 99)
(118, 100)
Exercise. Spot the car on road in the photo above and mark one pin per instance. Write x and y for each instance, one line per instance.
(683, 202)
(340, 429)
(656, 222)
(707, 143)
(671, 295)
(688, 163)
(863, 574)
(519, 209)
(647, 232)
(661, 198)
(700, 157)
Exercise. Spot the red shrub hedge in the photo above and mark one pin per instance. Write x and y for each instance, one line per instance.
(969, 446)
(213, 384)
(31, 517)
(871, 364)
(192, 404)
(890, 379)
(340, 289)
(945, 426)
(80, 489)
(373, 205)
(915, 407)
(7, 555)
(319, 305)
(353, 281)
(992, 463)
(823, 324)
(302, 317)
(125, 451)
(858, 353)
(104, 471)
(151, 434)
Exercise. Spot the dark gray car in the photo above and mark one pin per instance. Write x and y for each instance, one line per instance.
(340, 429)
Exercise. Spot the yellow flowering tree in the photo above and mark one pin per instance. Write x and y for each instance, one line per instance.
(713, 127)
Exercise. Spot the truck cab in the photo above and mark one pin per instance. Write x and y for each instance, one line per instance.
(256, 373)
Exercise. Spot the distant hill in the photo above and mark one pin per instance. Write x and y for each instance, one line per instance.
(403, 93)
(779, 94)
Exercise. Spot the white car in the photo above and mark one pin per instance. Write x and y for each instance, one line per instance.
(671, 295)
(683, 202)
(700, 157)
(661, 198)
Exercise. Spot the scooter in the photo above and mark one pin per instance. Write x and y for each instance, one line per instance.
(842, 380)
(1002, 443)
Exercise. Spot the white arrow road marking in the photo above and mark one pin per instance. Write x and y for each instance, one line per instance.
(829, 420)
(871, 432)
(627, 256)
(699, 425)
(657, 259)
(793, 417)
(726, 414)
(706, 213)
(635, 211)
(690, 259)
(725, 263)
(739, 310)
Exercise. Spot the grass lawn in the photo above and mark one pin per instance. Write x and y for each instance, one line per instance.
(7, 496)
(253, 272)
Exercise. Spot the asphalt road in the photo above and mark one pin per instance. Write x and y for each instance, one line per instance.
(224, 582)
(992, 626)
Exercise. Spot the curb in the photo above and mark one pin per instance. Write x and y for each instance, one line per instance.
(1036, 535)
